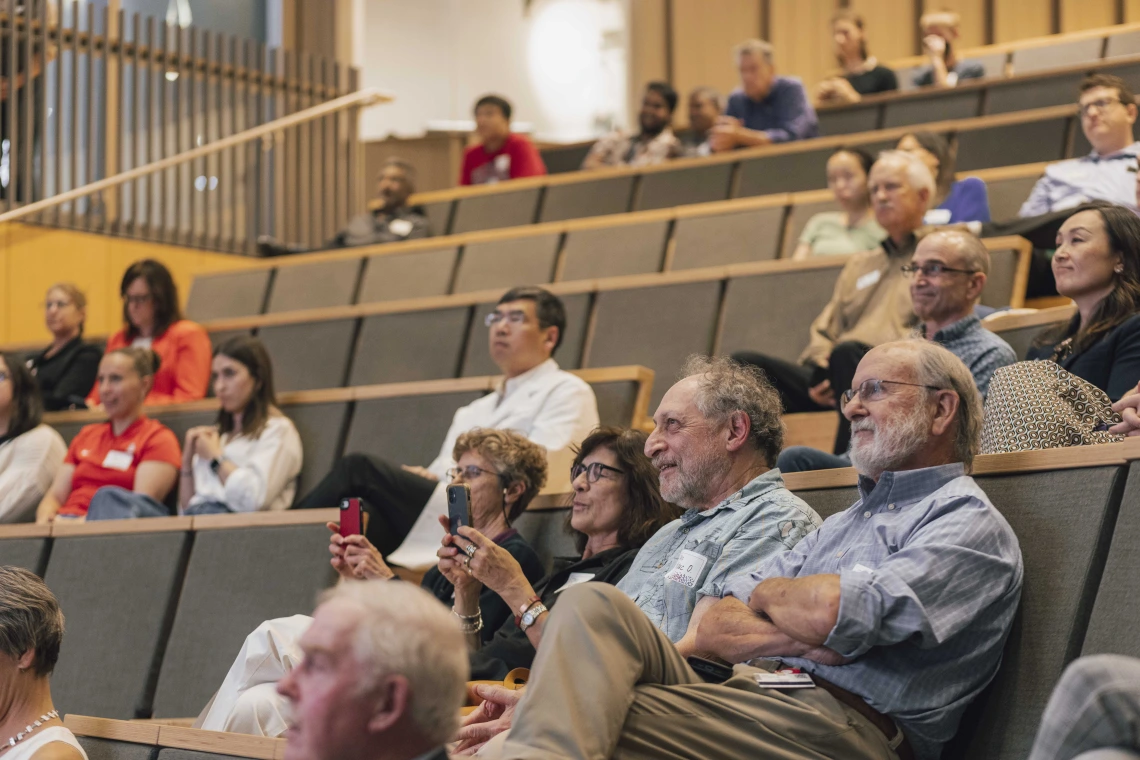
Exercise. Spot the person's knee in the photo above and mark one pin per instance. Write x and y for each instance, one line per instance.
(592, 601)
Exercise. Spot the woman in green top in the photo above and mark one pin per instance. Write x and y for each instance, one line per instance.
(853, 229)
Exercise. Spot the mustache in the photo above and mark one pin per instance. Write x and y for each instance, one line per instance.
(863, 424)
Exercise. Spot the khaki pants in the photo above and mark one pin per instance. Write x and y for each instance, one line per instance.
(606, 683)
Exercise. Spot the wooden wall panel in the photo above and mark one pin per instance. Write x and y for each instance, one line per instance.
(973, 13)
(648, 58)
(1020, 19)
(1131, 11)
(703, 35)
(800, 32)
(891, 26)
(1087, 14)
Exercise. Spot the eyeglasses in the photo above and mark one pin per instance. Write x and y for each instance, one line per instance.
(933, 269)
(57, 304)
(514, 317)
(594, 471)
(4, 377)
(468, 473)
(872, 390)
(137, 300)
(1099, 105)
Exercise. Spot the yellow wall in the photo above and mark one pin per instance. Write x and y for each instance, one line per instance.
(33, 258)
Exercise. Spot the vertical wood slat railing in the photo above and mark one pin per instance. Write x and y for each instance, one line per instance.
(93, 97)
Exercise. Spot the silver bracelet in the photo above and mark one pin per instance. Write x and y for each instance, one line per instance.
(469, 623)
(478, 615)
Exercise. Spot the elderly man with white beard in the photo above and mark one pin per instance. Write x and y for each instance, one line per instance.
(868, 639)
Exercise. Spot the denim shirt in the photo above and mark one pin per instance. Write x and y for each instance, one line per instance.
(757, 522)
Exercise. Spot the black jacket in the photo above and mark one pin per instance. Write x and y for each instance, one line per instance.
(1111, 364)
(66, 378)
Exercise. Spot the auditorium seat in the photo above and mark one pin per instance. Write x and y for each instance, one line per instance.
(417, 274)
(703, 238)
(218, 337)
(614, 251)
(943, 106)
(1122, 45)
(578, 200)
(992, 63)
(104, 739)
(1019, 330)
(678, 187)
(118, 591)
(406, 346)
(803, 207)
(110, 749)
(309, 355)
(320, 427)
(505, 263)
(314, 286)
(236, 578)
(439, 216)
(790, 172)
(848, 120)
(407, 428)
(1038, 92)
(1007, 195)
(506, 209)
(1005, 285)
(228, 294)
(1011, 144)
(477, 360)
(25, 546)
(545, 531)
(1056, 55)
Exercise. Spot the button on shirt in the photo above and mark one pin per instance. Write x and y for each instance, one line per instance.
(930, 579)
(1067, 184)
(757, 522)
(982, 351)
(785, 114)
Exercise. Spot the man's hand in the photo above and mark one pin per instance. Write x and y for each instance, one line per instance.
(1128, 407)
(805, 609)
(735, 633)
(822, 394)
(492, 717)
(723, 135)
(423, 472)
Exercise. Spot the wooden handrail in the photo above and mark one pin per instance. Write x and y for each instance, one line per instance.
(362, 98)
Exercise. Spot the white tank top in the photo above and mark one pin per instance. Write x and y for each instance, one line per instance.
(28, 747)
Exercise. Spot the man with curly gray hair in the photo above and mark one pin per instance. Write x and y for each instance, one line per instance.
(716, 436)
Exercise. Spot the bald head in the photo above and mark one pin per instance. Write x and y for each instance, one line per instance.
(950, 273)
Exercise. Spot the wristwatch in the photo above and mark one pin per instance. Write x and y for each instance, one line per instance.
(215, 465)
(531, 615)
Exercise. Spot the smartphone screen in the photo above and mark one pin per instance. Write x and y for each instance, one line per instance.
(351, 517)
(458, 507)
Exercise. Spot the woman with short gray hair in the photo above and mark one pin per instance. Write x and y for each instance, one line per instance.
(31, 630)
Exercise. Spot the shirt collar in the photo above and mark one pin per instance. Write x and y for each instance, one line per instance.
(506, 387)
(752, 490)
(893, 249)
(954, 331)
(1131, 151)
(907, 486)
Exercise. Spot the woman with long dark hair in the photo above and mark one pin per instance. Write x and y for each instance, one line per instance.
(30, 451)
(862, 72)
(250, 458)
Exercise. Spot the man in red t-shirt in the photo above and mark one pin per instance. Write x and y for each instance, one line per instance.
(501, 155)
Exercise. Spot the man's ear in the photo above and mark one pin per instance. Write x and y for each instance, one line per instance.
(550, 338)
(946, 412)
(977, 284)
(392, 697)
(739, 428)
(1132, 112)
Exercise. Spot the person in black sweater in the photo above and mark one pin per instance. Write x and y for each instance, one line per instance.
(616, 507)
(1097, 264)
(65, 370)
(862, 73)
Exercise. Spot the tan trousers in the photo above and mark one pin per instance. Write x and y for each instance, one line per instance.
(607, 684)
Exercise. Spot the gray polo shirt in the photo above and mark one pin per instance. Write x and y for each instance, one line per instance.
(692, 556)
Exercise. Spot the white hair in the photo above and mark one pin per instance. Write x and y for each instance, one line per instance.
(404, 630)
(917, 173)
(757, 48)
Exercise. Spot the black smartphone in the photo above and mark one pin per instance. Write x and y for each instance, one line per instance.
(458, 507)
(711, 672)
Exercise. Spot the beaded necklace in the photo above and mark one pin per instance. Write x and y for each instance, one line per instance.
(14, 740)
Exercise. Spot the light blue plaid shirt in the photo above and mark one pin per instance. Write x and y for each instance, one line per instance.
(930, 578)
(982, 351)
(1067, 184)
(754, 524)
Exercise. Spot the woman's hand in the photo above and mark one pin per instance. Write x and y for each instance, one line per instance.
(355, 558)
(452, 563)
(492, 717)
(494, 566)
(207, 443)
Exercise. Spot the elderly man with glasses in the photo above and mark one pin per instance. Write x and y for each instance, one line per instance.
(867, 640)
(549, 406)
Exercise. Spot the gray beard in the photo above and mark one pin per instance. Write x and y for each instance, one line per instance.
(691, 486)
(889, 448)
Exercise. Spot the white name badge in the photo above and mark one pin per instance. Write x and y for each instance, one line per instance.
(574, 580)
(868, 280)
(400, 227)
(687, 569)
(936, 216)
(118, 460)
(784, 680)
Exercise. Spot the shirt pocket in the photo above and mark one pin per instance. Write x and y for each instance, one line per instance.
(859, 558)
(680, 595)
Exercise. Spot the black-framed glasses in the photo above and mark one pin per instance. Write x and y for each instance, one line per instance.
(495, 317)
(1099, 105)
(469, 473)
(593, 470)
(137, 300)
(934, 269)
(872, 390)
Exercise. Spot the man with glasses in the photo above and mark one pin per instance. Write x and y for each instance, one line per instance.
(866, 641)
(947, 276)
(552, 408)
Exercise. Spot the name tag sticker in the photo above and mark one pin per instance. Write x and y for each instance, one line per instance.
(575, 579)
(400, 227)
(784, 681)
(861, 568)
(936, 216)
(118, 460)
(687, 569)
(868, 280)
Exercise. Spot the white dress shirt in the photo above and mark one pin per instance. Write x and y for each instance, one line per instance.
(552, 408)
(266, 474)
(28, 464)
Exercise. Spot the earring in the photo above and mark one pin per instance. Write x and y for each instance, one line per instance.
(1119, 269)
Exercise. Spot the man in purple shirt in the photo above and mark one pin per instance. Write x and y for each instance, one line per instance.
(766, 108)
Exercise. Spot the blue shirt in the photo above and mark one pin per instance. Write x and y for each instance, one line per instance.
(1070, 183)
(967, 201)
(756, 523)
(785, 114)
(930, 578)
(982, 351)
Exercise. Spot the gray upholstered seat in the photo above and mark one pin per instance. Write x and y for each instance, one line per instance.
(679, 187)
(495, 210)
(736, 238)
(413, 345)
(28, 553)
(174, 753)
(110, 749)
(1007, 195)
(564, 158)
(656, 327)
(439, 216)
(504, 263)
(477, 361)
(1021, 338)
(1114, 627)
(1057, 55)
(321, 429)
(936, 106)
(314, 286)
(404, 429)
(617, 401)
(760, 316)
(993, 64)
(545, 531)
(1000, 283)
(1012, 144)
(784, 173)
(594, 197)
(117, 592)
(614, 251)
(416, 274)
(218, 337)
(849, 120)
(829, 501)
(309, 355)
(180, 422)
(236, 579)
(906, 77)
(1122, 45)
(228, 294)
(798, 217)
(1022, 95)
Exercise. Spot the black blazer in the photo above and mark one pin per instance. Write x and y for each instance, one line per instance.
(66, 378)
(1111, 364)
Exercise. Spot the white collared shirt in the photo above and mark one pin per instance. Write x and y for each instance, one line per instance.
(266, 474)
